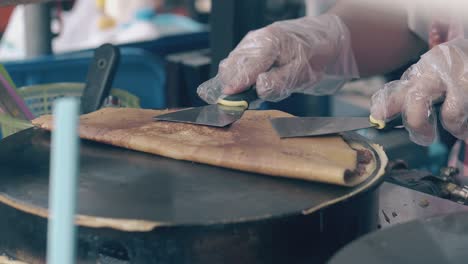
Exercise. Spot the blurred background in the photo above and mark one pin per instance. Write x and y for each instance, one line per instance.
(185, 38)
(168, 48)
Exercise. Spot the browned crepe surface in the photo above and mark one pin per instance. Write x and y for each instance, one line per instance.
(250, 144)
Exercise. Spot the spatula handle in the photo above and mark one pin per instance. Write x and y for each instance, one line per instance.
(100, 77)
(248, 96)
(396, 122)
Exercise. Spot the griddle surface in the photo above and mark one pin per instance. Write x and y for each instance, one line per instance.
(120, 183)
(440, 239)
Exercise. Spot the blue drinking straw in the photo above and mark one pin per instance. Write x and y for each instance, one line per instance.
(63, 181)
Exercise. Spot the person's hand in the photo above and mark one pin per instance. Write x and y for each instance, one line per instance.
(284, 58)
(440, 75)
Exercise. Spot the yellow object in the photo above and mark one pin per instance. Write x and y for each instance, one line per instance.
(101, 4)
(380, 124)
(39, 99)
(244, 104)
(106, 22)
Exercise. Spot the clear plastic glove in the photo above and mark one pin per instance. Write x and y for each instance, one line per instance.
(440, 75)
(286, 57)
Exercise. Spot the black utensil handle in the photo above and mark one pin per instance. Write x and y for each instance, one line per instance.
(396, 122)
(100, 77)
(249, 96)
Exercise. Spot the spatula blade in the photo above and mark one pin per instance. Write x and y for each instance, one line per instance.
(287, 127)
(210, 115)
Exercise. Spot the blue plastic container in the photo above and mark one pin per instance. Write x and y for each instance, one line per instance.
(174, 43)
(171, 43)
(140, 73)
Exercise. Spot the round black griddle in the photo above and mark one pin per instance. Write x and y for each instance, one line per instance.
(441, 239)
(200, 213)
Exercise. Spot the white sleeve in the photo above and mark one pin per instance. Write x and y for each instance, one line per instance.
(419, 19)
(422, 12)
(318, 7)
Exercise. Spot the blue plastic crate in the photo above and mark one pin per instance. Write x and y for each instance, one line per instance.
(169, 44)
(140, 72)
(174, 43)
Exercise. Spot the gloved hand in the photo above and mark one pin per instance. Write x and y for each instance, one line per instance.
(284, 58)
(441, 74)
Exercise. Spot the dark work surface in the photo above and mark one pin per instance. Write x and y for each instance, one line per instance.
(120, 183)
(442, 239)
(297, 240)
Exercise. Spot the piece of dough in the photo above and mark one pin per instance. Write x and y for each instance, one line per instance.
(249, 144)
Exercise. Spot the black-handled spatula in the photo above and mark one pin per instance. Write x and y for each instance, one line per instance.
(227, 111)
(100, 76)
(288, 127)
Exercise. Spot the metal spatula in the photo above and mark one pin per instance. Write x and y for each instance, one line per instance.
(287, 127)
(225, 112)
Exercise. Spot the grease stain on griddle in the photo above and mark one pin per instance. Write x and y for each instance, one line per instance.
(387, 219)
(394, 214)
(424, 203)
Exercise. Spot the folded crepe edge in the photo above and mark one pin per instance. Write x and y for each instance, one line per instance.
(379, 173)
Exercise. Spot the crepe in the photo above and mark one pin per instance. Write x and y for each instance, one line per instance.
(249, 144)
